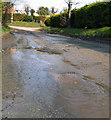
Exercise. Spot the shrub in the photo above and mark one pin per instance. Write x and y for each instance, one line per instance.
(19, 17)
(48, 21)
(22, 17)
(55, 20)
(95, 15)
(64, 19)
(28, 18)
(59, 20)
(39, 18)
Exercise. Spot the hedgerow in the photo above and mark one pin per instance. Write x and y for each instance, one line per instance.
(95, 15)
(19, 17)
(58, 20)
(22, 17)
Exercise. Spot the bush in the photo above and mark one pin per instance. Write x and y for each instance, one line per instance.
(64, 20)
(95, 15)
(28, 18)
(48, 22)
(39, 18)
(19, 17)
(59, 20)
(22, 17)
(55, 20)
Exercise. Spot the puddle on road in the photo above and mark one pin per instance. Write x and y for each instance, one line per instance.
(25, 72)
(42, 49)
(40, 85)
(29, 42)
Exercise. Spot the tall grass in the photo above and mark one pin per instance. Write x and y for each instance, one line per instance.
(98, 32)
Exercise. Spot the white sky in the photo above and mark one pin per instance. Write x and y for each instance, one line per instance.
(59, 4)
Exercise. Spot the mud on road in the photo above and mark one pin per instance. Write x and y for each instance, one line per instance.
(53, 76)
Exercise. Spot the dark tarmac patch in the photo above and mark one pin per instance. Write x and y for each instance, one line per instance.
(50, 51)
(42, 49)
(76, 66)
(88, 77)
(103, 86)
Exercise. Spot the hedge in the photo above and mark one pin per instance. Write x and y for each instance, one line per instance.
(22, 17)
(19, 17)
(59, 20)
(95, 15)
(28, 18)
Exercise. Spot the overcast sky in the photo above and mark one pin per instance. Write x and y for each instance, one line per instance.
(59, 4)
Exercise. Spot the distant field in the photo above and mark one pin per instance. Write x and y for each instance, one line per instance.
(98, 32)
(25, 24)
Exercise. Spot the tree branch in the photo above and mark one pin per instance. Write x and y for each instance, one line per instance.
(76, 3)
(66, 1)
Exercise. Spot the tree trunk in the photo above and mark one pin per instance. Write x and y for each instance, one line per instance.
(4, 20)
(69, 13)
(69, 10)
(7, 6)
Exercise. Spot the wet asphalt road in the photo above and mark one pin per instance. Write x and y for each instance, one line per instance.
(39, 82)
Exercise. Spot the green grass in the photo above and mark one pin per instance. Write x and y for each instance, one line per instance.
(5, 30)
(99, 32)
(24, 24)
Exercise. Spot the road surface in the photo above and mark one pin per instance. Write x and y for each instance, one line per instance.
(53, 76)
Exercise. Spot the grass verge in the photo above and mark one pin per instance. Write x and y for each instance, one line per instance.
(24, 24)
(5, 30)
(104, 32)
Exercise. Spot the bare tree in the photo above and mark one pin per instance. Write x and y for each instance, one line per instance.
(70, 3)
(27, 10)
(54, 10)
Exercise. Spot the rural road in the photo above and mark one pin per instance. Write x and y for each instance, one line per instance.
(53, 76)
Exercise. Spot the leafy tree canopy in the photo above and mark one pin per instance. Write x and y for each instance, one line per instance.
(32, 11)
(43, 11)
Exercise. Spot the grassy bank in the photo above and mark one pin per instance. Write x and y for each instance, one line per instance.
(24, 24)
(99, 32)
(5, 30)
